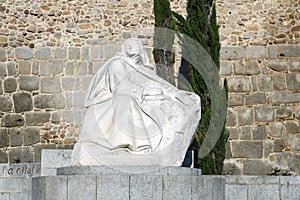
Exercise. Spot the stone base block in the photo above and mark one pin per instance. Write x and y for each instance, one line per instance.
(128, 183)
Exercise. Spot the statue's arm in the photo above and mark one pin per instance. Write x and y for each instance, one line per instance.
(116, 72)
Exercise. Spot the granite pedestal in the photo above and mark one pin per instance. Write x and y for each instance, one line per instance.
(128, 183)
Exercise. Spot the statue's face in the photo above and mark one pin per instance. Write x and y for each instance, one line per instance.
(133, 48)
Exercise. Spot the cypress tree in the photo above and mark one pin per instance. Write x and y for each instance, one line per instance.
(164, 58)
(201, 25)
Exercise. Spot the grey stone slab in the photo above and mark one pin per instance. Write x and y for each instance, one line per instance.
(293, 81)
(4, 196)
(109, 51)
(11, 69)
(74, 53)
(231, 168)
(94, 53)
(31, 135)
(107, 185)
(255, 98)
(84, 82)
(57, 66)
(252, 180)
(50, 188)
(277, 98)
(236, 192)
(239, 84)
(177, 187)
(22, 102)
(50, 85)
(279, 82)
(43, 101)
(259, 132)
(288, 50)
(257, 167)
(60, 53)
(72, 116)
(245, 116)
(278, 65)
(24, 67)
(1, 90)
(96, 66)
(5, 104)
(3, 55)
(247, 149)
(70, 83)
(231, 117)
(292, 126)
(208, 188)
(16, 137)
(248, 68)
(12, 120)
(75, 99)
(36, 118)
(54, 158)
(43, 53)
(293, 141)
(235, 99)
(234, 133)
(85, 52)
(38, 150)
(256, 52)
(35, 67)
(264, 83)
(10, 85)
(122, 169)
(3, 157)
(264, 113)
(69, 68)
(290, 180)
(20, 196)
(45, 68)
(82, 187)
(290, 192)
(82, 68)
(23, 53)
(146, 187)
(294, 66)
(264, 192)
(29, 83)
(10, 185)
(225, 68)
(3, 71)
(4, 140)
(284, 111)
(245, 133)
(232, 53)
(291, 159)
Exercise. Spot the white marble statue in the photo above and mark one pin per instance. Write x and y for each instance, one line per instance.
(133, 116)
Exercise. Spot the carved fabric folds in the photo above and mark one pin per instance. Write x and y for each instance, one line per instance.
(131, 109)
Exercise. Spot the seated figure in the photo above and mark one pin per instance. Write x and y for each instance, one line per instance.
(133, 116)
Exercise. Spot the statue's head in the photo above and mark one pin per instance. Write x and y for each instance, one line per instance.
(133, 49)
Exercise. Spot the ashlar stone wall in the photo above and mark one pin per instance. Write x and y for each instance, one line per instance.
(49, 50)
(260, 58)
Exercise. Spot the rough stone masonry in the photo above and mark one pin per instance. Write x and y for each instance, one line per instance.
(49, 50)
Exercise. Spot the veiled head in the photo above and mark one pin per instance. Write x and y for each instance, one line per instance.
(133, 49)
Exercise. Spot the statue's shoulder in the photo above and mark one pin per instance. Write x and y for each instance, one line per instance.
(116, 62)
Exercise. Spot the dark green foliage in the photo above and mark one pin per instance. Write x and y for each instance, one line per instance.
(201, 25)
(164, 58)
